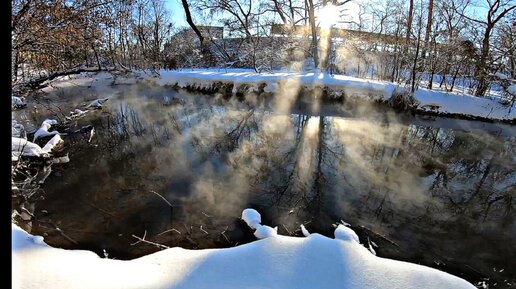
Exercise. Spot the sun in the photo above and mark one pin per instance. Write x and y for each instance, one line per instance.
(328, 16)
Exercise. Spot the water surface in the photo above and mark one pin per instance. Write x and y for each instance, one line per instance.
(438, 192)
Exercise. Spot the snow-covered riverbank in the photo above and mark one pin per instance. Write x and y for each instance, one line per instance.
(278, 82)
(287, 84)
(273, 262)
(428, 101)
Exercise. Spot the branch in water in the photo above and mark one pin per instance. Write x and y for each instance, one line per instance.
(162, 198)
(148, 242)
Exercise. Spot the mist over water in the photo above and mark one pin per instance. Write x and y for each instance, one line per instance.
(422, 191)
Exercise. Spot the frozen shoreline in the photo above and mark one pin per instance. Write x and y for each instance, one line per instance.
(275, 261)
(289, 84)
(427, 101)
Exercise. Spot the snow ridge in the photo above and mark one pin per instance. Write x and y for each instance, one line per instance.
(280, 262)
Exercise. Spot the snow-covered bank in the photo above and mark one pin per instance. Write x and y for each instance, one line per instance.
(463, 104)
(427, 101)
(272, 81)
(273, 262)
(287, 84)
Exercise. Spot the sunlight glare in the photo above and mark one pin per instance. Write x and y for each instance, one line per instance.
(328, 16)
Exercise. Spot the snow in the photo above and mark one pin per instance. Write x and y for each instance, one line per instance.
(83, 79)
(345, 223)
(370, 246)
(77, 112)
(452, 103)
(17, 129)
(43, 130)
(281, 81)
(274, 262)
(429, 100)
(205, 78)
(263, 231)
(252, 218)
(61, 160)
(512, 89)
(304, 231)
(97, 103)
(18, 101)
(346, 234)
(501, 76)
(20, 146)
(52, 143)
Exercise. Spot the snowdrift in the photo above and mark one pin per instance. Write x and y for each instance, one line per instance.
(273, 262)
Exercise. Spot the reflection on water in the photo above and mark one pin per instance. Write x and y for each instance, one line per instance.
(437, 196)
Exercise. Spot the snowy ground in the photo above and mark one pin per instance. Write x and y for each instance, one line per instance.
(350, 85)
(275, 261)
(463, 104)
(283, 82)
(429, 100)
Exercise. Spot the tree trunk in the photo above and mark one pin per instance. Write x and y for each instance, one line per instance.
(428, 27)
(291, 11)
(455, 74)
(409, 24)
(414, 66)
(433, 63)
(431, 81)
(306, 11)
(96, 56)
(314, 32)
(278, 10)
(36, 84)
(157, 43)
(191, 23)
(446, 72)
(481, 71)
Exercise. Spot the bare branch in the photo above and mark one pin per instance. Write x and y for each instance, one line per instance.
(148, 242)
(163, 198)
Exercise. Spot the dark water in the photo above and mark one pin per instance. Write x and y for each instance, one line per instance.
(435, 192)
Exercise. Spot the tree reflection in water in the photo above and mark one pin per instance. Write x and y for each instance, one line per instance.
(440, 195)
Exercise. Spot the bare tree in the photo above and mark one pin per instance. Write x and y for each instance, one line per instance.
(409, 19)
(428, 25)
(189, 19)
(313, 29)
(496, 11)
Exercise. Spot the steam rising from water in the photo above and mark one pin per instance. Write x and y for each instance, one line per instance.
(210, 157)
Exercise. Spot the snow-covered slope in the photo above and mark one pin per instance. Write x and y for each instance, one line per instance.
(453, 103)
(274, 262)
(352, 86)
(429, 100)
(286, 84)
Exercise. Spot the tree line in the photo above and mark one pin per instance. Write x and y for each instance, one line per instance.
(58, 35)
(420, 43)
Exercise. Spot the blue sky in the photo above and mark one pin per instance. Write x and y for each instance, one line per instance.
(176, 10)
(179, 19)
(178, 16)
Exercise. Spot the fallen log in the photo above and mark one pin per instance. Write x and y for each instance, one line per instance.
(38, 82)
